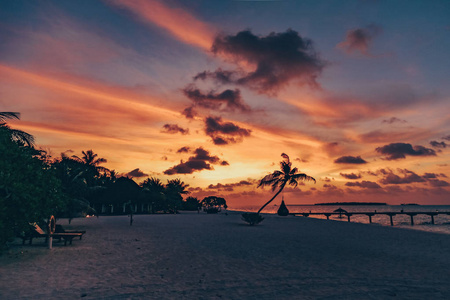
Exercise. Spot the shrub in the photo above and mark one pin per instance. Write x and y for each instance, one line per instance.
(252, 218)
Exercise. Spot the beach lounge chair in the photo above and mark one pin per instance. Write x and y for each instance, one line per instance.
(37, 232)
(60, 229)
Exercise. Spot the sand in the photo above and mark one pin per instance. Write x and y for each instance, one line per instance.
(200, 256)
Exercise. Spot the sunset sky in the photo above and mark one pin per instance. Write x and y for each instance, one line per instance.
(357, 93)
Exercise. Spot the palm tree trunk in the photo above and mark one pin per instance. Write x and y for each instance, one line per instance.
(279, 191)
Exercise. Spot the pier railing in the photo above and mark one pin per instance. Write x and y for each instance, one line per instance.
(371, 214)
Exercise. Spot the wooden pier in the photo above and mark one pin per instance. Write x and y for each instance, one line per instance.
(371, 214)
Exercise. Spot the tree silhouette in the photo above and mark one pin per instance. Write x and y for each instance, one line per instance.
(153, 190)
(92, 165)
(191, 203)
(213, 204)
(279, 179)
(29, 188)
(16, 134)
(175, 188)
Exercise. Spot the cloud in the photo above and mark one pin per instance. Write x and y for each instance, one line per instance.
(430, 175)
(224, 133)
(350, 160)
(224, 163)
(219, 75)
(394, 120)
(380, 136)
(447, 138)
(184, 149)
(351, 176)
(436, 144)
(228, 100)
(277, 59)
(230, 186)
(301, 160)
(331, 190)
(359, 39)
(400, 150)
(182, 25)
(173, 129)
(364, 184)
(438, 183)
(408, 177)
(136, 173)
(189, 112)
(202, 160)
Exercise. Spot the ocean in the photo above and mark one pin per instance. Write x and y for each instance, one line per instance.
(421, 222)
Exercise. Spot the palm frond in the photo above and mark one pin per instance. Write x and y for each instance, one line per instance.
(269, 179)
(293, 182)
(277, 183)
(9, 115)
(22, 136)
(76, 158)
(303, 177)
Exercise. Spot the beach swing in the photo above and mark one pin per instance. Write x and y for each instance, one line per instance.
(283, 210)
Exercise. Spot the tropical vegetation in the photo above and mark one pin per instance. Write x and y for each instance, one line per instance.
(34, 186)
(213, 204)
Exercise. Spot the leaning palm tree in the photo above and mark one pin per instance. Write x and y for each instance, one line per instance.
(278, 179)
(16, 135)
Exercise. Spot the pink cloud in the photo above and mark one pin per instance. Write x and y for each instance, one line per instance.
(180, 23)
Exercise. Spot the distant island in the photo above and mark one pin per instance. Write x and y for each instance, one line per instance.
(409, 204)
(352, 203)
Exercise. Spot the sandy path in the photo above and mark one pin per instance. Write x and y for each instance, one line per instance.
(199, 256)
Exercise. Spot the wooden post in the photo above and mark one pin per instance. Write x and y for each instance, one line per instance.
(328, 216)
(370, 219)
(412, 219)
(392, 221)
(348, 217)
(51, 230)
(432, 217)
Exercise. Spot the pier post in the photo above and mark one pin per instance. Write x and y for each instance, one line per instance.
(390, 216)
(370, 217)
(348, 216)
(412, 218)
(432, 217)
(328, 216)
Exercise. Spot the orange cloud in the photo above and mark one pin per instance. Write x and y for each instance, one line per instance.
(109, 95)
(178, 22)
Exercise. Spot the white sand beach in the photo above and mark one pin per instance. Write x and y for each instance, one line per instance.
(200, 256)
